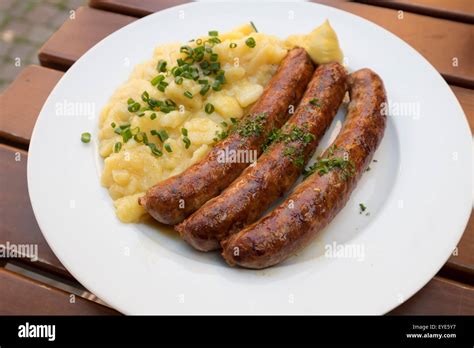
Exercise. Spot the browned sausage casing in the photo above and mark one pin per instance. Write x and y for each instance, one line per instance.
(316, 201)
(275, 171)
(173, 199)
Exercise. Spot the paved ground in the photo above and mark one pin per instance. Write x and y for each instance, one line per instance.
(24, 26)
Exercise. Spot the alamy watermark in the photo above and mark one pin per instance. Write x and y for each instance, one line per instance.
(237, 156)
(401, 108)
(75, 108)
(9, 250)
(345, 251)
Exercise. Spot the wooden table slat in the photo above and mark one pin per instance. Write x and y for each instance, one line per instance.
(439, 297)
(18, 224)
(456, 10)
(136, 8)
(29, 90)
(23, 296)
(76, 36)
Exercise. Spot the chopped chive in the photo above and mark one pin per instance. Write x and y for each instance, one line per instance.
(184, 132)
(215, 66)
(134, 107)
(168, 148)
(176, 71)
(113, 125)
(178, 80)
(117, 147)
(214, 57)
(180, 62)
(161, 65)
(86, 137)
(250, 42)
(188, 94)
(213, 33)
(162, 85)
(130, 101)
(186, 50)
(199, 42)
(232, 45)
(154, 149)
(157, 79)
(126, 135)
(209, 108)
(314, 101)
(141, 137)
(204, 89)
(253, 26)
(187, 142)
(169, 102)
(152, 102)
(162, 134)
(220, 78)
(203, 82)
(204, 64)
(145, 96)
(216, 86)
(152, 116)
(233, 120)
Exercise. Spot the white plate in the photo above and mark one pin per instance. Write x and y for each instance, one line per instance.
(418, 193)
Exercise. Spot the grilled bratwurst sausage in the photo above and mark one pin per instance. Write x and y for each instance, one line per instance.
(316, 201)
(276, 169)
(173, 199)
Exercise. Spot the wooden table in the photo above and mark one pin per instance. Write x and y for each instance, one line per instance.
(439, 29)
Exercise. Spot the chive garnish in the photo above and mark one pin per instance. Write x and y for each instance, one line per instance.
(232, 45)
(216, 86)
(187, 142)
(161, 65)
(134, 107)
(86, 137)
(162, 85)
(209, 108)
(253, 26)
(157, 79)
(117, 147)
(168, 147)
(188, 94)
(154, 149)
(204, 89)
(162, 134)
(250, 42)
